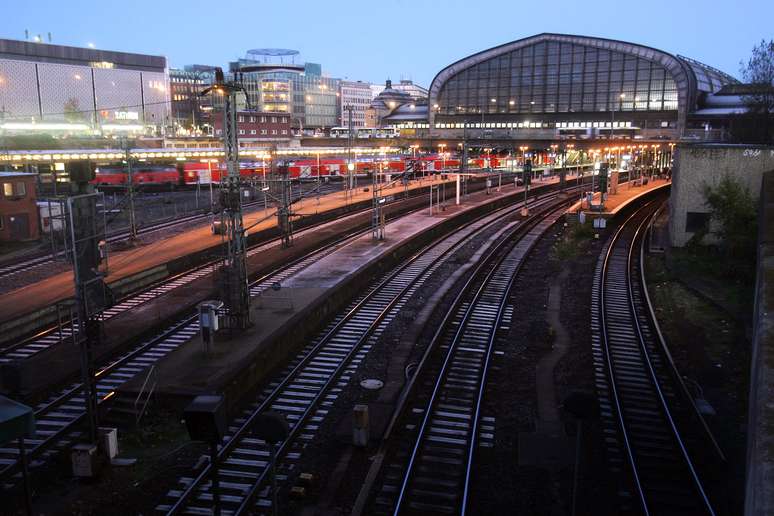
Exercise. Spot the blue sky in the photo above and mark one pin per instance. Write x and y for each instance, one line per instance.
(375, 39)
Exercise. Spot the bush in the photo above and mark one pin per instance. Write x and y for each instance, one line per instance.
(734, 212)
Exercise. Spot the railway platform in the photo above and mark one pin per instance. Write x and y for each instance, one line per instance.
(282, 319)
(57, 363)
(160, 259)
(626, 194)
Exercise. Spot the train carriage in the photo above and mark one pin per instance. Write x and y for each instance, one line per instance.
(146, 175)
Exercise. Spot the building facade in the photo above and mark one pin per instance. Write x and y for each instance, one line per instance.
(62, 89)
(189, 110)
(257, 126)
(376, 89)
(357, 95)
(19, 219)
(388, 100)
(553, 86)
(415, 91)
(310, 97)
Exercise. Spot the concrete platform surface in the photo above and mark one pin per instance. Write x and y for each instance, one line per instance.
(57, 363)
(625, 194)
(188, 371)
(123, 264)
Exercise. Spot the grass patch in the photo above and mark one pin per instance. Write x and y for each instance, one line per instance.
(702, 268)
(574, 240)
(684, 316)
(159, 436)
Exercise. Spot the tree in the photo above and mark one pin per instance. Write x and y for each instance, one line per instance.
(734, 212)
(758, 72)
(71, 109)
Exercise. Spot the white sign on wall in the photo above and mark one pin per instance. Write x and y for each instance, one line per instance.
(126, 115)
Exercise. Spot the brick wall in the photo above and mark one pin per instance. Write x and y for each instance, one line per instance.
(18, 208)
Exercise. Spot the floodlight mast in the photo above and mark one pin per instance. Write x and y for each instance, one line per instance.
(236, 295)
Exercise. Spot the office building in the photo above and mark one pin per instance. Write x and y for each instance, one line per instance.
(357, 95)
(71, 90)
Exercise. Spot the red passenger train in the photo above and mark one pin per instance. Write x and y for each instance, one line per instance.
(192, 172)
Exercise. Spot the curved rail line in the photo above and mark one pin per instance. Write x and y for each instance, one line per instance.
(311, 384)
(642, 399)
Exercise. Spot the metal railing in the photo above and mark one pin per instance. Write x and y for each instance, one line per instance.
(143, 398)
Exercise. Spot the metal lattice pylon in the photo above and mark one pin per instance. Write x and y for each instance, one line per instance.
(236, 295)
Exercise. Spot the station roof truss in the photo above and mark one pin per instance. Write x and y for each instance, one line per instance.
(690, 77)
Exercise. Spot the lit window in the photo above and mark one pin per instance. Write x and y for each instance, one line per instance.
(241, 131)
(8, 189)
(252, 131)
(241, 119)
(273, 131)
(284, 131)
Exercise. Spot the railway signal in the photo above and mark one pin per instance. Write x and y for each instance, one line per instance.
(526, 179)
(603, 176)
(91, 296)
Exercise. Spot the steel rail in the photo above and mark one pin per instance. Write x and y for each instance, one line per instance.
(166, 285)
(664, 347)
(73, 391)
(120, 235)
(495, 257)
(277, 391)
(614, 377)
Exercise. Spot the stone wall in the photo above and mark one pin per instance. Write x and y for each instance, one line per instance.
(698, 164)
(759, 496)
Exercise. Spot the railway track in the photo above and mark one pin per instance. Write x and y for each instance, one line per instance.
(304, 392)
(53, 336)
(657, 440)
(57, 418)
(11, 269)
(438, 424)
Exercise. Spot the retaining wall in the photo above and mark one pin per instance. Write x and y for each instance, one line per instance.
(759, 495)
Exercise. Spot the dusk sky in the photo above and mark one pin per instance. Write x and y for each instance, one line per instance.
(376, 39)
